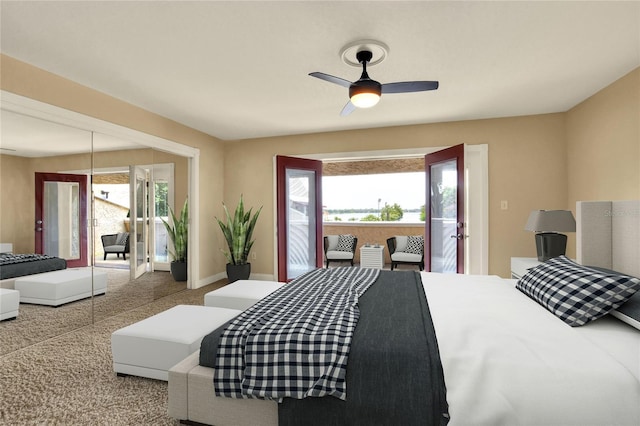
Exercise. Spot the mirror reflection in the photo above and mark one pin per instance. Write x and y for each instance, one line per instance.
(62, 207)
(91, 203)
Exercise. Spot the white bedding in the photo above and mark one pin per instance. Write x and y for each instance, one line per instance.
(508, 361)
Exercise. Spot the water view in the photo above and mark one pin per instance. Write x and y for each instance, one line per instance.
(407, 217)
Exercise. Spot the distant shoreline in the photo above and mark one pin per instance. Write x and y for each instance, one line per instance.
(407, 217)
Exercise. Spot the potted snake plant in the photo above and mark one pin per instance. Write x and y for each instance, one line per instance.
(178, 233)
(238, 231)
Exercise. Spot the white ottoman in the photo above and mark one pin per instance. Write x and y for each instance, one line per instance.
(149, 348)
(59, 287)
(9, 303)
(240, 294)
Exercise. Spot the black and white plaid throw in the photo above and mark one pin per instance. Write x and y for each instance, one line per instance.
(294, 343)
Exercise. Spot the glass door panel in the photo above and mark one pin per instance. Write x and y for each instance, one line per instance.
(139, 209)
(301, 225)
(161, 196)
(61, 211)
(443, 217)
(161, 203)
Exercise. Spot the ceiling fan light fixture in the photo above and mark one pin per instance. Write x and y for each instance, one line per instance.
(365, 93)
(365, 99)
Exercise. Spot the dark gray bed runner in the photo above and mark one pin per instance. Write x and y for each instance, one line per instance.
(19, 265)
(394, 373)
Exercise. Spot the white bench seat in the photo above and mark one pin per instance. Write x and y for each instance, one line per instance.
(9, 303)
(59, 287)
(241, 294)
(149, 348)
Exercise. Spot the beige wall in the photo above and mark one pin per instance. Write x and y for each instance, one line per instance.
(603, 144)
(16, 212)
(535, 162)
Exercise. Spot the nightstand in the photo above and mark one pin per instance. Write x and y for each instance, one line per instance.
(520, 265)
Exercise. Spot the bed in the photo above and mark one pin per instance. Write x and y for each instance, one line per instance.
(18, 265)
(505, 358)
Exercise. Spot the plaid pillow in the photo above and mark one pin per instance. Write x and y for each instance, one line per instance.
(414, 244)
(345, 243)
(629, 311)
(574, 293)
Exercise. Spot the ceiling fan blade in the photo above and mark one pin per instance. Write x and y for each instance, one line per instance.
(348, 109)
(331, 79)
(409, 86)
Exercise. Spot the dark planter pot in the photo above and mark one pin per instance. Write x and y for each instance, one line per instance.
(238, 272)
(179, 270)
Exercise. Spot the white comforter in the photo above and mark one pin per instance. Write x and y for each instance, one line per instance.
(508, 361)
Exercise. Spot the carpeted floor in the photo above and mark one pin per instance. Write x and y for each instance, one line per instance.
(36, 323)
(68, 379)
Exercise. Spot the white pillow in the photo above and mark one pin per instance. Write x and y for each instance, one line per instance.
(333, 242)
(401, 242)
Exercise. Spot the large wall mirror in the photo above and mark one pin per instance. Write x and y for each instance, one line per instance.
(94, 200)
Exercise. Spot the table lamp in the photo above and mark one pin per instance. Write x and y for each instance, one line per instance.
(547, 224)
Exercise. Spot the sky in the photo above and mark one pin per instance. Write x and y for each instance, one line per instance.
(363, 191)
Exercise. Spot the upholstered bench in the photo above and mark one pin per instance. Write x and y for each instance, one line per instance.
(60, 287)
(9, 303)
(240, 294)
(149, 348)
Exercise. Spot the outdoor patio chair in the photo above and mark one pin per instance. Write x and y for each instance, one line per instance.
(408, 250)
(339, 248)
(116, 243)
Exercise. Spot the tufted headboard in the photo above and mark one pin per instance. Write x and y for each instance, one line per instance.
(608, 235)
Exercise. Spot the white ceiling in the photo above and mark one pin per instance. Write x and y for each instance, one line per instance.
(27, 136)
(239, 70)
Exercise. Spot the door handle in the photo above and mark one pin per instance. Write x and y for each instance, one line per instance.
(458, 236)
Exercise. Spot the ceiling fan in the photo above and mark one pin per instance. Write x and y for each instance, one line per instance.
(366, 92)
